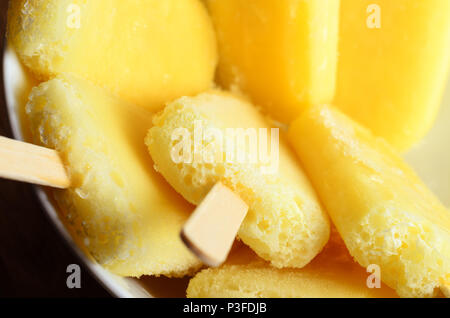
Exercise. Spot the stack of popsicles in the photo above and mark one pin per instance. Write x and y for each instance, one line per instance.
(107, 66)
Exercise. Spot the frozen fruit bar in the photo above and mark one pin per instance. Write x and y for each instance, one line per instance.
(283, 54)
(393, 63)
(333, 273)
(384, 213)
(119, 209)
(148, 52)
(285, 223)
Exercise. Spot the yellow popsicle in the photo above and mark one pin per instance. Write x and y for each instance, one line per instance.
(118, 208)
(285, 223)
(148, 52)
(384, 213)
(281, 53)
(391, 78)
(333, 273)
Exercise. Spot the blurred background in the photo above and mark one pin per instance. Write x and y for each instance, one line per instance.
(33, 257)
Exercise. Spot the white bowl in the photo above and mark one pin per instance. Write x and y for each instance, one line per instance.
(430, 158)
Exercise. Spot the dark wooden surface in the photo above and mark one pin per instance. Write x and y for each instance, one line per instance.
(33, 257)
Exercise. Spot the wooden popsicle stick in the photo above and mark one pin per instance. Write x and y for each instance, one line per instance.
(211, 230)
(26, 162)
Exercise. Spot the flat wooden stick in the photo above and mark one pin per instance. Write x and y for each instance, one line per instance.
(26, 162)
(211, 230)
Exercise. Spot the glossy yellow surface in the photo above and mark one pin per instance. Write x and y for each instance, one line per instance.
(285, 223)
(148, 52)
(391, 79)
(118, 207)
(333, 273)
(281, 53)
(384, 213)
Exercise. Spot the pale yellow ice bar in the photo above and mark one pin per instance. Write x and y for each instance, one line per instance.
(281, 53)
(384, 213)
(148, 52)
(332, 274)
(285, 223)
(393, 64)
(119, 209)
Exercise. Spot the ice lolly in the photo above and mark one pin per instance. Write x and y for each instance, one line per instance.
(384, 213)
(283, 54)
(285, 223)
(117, 207)
(333, 273)
(393, 63)
(148, 52)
